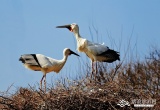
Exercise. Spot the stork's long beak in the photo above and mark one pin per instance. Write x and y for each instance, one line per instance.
(64, 26)
(71, 52)
(68, 26)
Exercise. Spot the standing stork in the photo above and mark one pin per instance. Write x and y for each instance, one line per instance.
(95, 51)
(39, 62)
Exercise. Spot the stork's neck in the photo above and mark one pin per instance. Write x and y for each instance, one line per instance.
(60, 64)
(77, 35)
(64, 58)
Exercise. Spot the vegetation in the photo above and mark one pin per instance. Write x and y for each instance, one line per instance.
(128, 81)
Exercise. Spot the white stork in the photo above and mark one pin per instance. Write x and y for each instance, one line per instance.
(39, 62)
(95, 51)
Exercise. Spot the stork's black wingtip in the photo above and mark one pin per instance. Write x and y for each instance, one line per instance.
(22, 60)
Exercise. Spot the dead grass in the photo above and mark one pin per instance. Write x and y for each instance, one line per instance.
(133, 80)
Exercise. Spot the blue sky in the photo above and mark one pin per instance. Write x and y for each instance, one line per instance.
(28, 26)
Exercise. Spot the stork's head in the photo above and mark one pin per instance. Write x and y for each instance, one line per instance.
(68, 51)
(72, 27)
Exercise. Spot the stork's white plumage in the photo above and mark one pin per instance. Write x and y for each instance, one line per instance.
(95, 51)
(39, 62)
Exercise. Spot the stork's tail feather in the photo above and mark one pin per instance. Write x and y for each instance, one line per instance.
(110, 55)
(114, 55)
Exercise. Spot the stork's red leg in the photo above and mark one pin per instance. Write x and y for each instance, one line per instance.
(45, 83)
(41, 82)
(96, 68)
